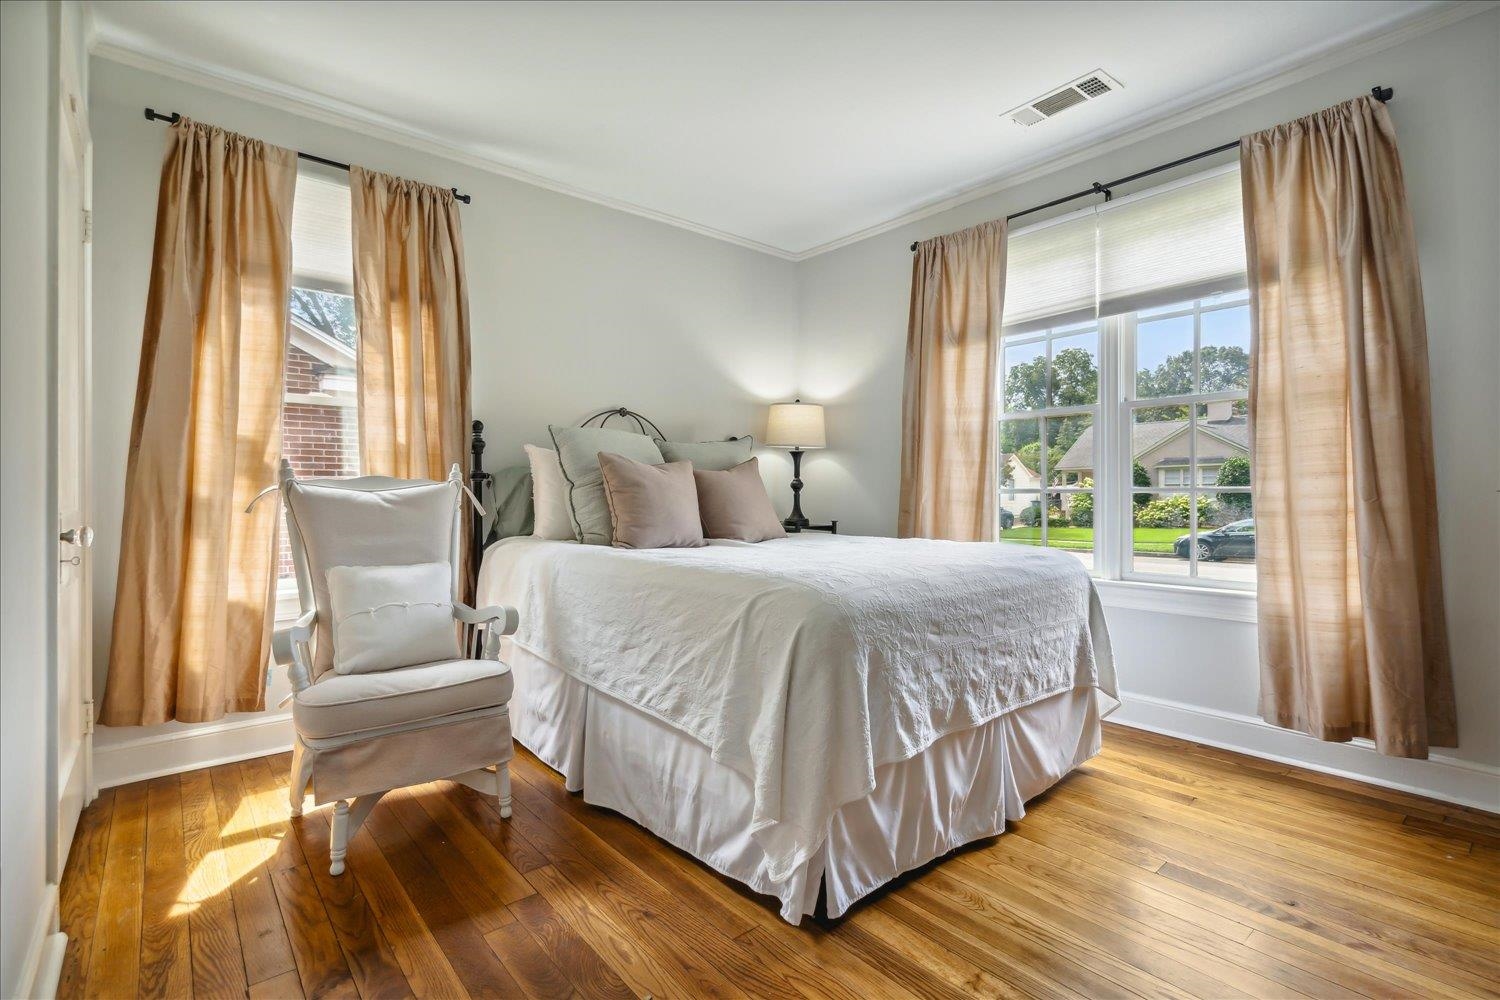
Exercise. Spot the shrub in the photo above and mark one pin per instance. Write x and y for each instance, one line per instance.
(1140, 477)
(1174, 511)
(1081, 511)
(1235, 472)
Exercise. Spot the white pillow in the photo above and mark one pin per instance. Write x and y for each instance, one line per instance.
(385, 617)
(549, 496)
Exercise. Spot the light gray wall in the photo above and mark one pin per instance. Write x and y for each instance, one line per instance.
(853, 322)
(573, 306)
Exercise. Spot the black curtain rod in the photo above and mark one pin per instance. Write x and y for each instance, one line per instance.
(174, 118)
(1381, 94)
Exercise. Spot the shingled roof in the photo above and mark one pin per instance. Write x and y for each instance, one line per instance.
(1233, 438)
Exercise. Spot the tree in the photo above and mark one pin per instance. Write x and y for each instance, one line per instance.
(1140, 477)
(1220, 369)
(327, 312)
(1075, 382)
(1235, 472)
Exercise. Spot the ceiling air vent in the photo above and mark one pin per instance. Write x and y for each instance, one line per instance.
(1086, 88)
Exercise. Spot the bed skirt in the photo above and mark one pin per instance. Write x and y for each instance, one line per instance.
(962, 788)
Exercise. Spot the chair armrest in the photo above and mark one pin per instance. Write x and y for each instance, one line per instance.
(290, 647)
(484, 627)
(509, 618)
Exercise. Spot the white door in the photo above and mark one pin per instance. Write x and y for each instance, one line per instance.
(71, 767)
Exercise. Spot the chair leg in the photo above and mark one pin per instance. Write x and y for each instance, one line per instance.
(298, 787)
(339, 843)
(502, 772)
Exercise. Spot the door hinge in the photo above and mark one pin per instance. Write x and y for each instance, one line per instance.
(88, 717)
(88, 226)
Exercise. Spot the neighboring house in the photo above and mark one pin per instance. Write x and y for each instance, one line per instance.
(1162, 448)
(1018, 484)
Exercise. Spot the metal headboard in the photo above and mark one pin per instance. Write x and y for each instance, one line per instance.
(479, 479)
(641, 421)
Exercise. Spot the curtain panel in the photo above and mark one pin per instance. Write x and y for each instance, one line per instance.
(411, 302)
(191, 635)
(949, 484)
(1353, 640)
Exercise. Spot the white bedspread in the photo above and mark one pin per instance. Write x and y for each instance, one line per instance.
(806, 663)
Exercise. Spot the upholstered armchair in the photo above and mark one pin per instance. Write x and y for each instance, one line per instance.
(362, 730)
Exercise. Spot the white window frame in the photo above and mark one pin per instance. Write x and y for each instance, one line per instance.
(1119, 581)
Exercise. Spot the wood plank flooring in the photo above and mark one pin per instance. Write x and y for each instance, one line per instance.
(1159, 869)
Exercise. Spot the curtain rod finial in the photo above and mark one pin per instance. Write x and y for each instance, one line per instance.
(914, 246)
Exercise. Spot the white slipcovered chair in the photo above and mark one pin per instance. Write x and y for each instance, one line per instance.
(359, 735)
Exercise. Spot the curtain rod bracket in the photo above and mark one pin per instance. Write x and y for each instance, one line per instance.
(1382, 94)
(1101, 189)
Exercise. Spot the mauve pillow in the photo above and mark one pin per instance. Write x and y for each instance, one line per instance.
(734, 504)
(651, 506)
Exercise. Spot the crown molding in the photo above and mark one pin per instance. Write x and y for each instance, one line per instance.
(317, 108)
(307, 104)
(1172, 116)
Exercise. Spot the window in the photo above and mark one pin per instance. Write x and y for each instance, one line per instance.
(1124, 385)
(319, 412)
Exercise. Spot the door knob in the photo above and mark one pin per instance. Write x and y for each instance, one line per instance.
(83, 537)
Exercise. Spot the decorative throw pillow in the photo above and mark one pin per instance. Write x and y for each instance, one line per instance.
(578, 450)
(734, 504)
(549, 495)
(651, 506)
(387, 617)
(719, 455)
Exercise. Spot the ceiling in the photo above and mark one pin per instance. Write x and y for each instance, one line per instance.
(786, 126)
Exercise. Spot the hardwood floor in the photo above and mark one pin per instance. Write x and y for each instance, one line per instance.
(1161, 868)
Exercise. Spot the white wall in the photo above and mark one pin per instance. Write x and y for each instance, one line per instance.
(573, 307)
(853, 322)
(30, 35)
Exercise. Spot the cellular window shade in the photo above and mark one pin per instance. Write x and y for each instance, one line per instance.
(322, 240)
(1181, 241)
(1052, 275)
(1185, 241)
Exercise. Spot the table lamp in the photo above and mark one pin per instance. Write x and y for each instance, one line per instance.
(798, 426)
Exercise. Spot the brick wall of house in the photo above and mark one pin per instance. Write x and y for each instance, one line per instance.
(319, 439)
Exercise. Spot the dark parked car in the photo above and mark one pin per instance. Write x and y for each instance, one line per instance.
(1235, 540)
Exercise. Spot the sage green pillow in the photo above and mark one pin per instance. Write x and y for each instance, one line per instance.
(578, 451)
(709, 456)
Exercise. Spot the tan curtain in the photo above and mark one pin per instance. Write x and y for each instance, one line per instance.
(948, 461)
(412, 306)
(191, 637)
(1352, 634)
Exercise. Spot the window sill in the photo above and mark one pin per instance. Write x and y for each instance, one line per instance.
(288, 605)
(1174, 599)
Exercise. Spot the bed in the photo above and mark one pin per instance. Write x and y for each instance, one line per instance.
(820, 712)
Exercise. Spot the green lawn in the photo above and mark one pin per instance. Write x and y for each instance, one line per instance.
(1154, 541)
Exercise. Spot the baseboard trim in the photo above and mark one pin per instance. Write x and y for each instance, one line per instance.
(42, 966)
(1441, 777)
(139, 758)
(1448, 779)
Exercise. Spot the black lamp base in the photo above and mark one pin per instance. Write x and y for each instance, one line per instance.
(796, 520)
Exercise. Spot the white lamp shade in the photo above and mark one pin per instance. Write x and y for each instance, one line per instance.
(795, 425)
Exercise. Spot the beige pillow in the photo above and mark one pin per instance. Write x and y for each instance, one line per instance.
(549, 496)
(651, 506)
(734, 504)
